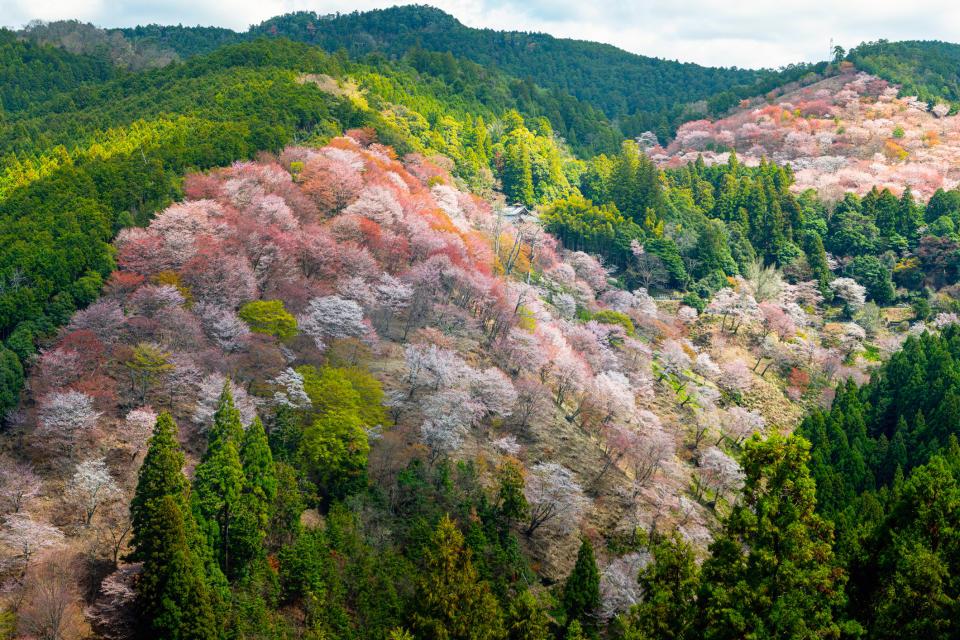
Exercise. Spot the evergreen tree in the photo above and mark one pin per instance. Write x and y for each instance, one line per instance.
(669, 586)
(451, 602)
(581, 593)
(173, 598)
(257, 497)
(772, 573)
(526, 620)
(218, 482)
(160, 475)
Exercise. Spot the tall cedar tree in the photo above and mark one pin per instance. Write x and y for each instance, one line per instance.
(257, 496)
(174, 601)
(451, 602)
(218, 481)
(669, 586)
(772, 572)
(581, 594)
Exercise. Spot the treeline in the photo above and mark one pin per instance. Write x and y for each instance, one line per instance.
(700, 224)
(886, 462)
(924, 68)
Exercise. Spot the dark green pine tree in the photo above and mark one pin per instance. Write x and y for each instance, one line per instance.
(772, 572)
(160, 475)
(173, 598)
(257, 496)
(669, 586)
(517, 173)
(218, 481)
(581, 594)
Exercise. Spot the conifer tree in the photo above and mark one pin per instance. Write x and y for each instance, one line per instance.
(218, 481)
(451, 602)
(160, 475)
(772, 572)
(669, 586)
(581, 594)
(173, 598)
(526, 620)
(257, 496)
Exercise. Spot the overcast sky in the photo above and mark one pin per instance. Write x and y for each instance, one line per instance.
(744, 33)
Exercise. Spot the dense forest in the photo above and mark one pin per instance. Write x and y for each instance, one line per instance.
(278, 361)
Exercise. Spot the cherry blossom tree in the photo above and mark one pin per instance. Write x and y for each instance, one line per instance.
(619, 589)
(706, 367)
(672, 359)
(25, 537)
(137, 427)
(223, 326)
(209, 394)
(608, 397)
(739, 424)
(556, 500)
(114, 613)
(533, 403)
(291, 392)
(92, 486)
(736, 376)
(332, 317)
(65, 417)
(19, 484)
(716, 472)
(855, 295)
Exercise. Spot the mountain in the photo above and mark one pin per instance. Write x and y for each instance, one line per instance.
(638, 92)
(929, 69)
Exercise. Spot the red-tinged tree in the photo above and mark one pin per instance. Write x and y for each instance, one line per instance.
(776, 321)
(331, 184)
(223, 279)
(142, 253)
(122, 283)
(198, 186)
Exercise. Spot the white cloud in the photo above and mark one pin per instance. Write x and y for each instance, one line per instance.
(714, 32)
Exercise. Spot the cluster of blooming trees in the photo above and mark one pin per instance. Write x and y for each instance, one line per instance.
(845, 133)
(486, 336)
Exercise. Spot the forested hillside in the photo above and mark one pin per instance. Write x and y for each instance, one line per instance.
(638, 92)
(278, 361)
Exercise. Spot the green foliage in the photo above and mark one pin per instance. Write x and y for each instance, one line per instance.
(669, 586)
(868, 271)
(608, 316)
(927, 69)
(173, 597)
(269, 317)
(772, 572)
(581, 593)
(218, 482)
(451, 601)
(581, 226)
(525, 620)
(333, 446)
(11, 379)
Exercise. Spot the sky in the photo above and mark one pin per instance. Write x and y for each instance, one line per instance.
(711, 32)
